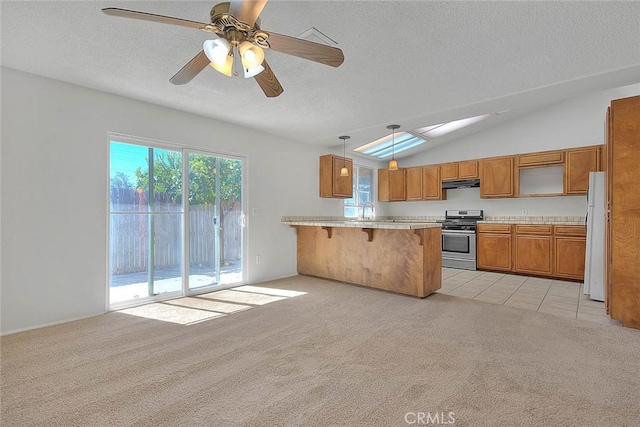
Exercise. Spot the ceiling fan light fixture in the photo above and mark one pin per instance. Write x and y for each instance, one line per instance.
(252, 72)
(232, 24)
(219, 52)
(216, 50)
(251, 55)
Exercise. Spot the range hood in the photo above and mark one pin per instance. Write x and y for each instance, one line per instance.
(461, 183)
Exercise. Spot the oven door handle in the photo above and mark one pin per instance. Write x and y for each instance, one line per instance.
(459, 232)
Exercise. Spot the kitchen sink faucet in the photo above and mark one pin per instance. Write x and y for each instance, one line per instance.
(364, 208)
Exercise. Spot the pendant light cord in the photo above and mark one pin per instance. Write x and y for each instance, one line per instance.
(393, 144)
(392, 163)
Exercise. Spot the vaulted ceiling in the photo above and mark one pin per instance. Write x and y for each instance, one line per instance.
(414, 63)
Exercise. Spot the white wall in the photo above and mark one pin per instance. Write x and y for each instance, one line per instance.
(55, 182)
(55, 179)
(575, 122)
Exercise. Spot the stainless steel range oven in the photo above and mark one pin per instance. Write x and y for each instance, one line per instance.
(459, 239)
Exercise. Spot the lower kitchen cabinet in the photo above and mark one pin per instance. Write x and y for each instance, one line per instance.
(570, 253)
(540, 250)
(534, 254)
(494, 247)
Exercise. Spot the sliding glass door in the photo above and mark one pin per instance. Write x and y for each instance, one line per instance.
(176, 222)
(215, 220)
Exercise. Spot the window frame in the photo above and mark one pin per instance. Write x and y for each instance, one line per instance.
(356, 192)
(185, 149)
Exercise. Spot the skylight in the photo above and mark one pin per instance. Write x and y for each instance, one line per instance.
(382, 148)
(444, 128)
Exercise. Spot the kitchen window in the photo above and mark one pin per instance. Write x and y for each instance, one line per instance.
(362, 191)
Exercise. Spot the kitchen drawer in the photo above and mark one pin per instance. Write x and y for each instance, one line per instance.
(534, 229)
(494, 228)
(539, 159)
(570, 230)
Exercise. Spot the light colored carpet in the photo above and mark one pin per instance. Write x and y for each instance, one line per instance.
(338, 355)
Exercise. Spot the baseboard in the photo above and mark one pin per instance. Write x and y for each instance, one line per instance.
(274, 279)
(44, 325)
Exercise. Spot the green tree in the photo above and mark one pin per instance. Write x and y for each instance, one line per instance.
(167, 174)
(203, 171)
(121, 181)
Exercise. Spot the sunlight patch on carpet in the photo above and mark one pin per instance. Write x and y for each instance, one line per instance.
(171, 313)
(242, 297)
(208, 305)
(192, 310)
(269, 291)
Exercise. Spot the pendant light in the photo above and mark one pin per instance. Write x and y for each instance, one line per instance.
(344, 171)
(393, 163)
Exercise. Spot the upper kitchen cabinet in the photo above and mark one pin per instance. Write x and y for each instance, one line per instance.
(546, 158)
(579, 162)
(414, 183)
(333, 185)
(539, 174)
(496, 177)
(459, 170)
(449, 171)
(431, 183)
(468, 169)
(392, 185)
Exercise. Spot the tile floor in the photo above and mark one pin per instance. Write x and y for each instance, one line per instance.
(549, 296)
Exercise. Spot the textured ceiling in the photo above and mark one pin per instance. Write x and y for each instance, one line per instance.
(413, 63)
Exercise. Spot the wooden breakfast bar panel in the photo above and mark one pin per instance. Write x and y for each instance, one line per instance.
(394, 259)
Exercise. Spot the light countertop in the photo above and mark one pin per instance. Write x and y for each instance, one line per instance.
(417, 222)
(388, 224)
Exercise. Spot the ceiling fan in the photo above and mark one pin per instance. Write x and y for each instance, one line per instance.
(237, 44)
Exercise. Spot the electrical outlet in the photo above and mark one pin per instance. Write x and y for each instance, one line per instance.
(525, 212)
(258, 259)
(255, 211)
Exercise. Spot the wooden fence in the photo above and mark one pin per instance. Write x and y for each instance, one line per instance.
(129, 249)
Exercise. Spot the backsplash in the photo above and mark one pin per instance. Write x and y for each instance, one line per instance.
(565, 220)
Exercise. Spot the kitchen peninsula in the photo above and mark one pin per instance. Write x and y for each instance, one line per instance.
(398, 256)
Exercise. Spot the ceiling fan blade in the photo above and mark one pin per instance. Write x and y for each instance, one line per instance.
(312, 51)
(191, 69)
(246, 11)
(124, 13)
(268, 82)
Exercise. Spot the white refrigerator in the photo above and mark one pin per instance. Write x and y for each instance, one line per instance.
(594, 256)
